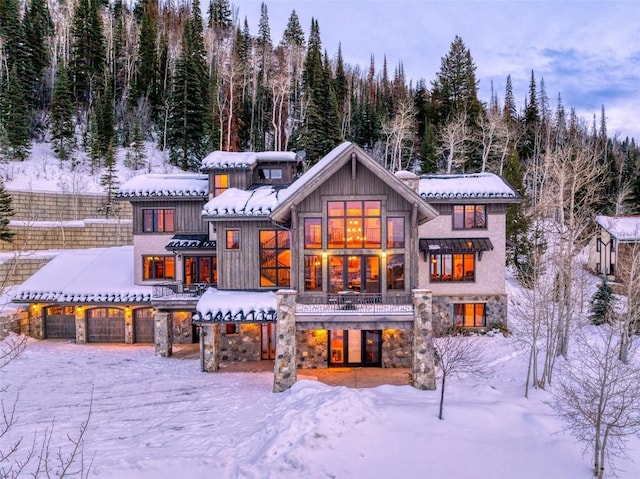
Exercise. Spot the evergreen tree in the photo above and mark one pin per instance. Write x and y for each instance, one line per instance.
(602, 304)
(6, 212)
(187, 115)
(39, 29)
(109, 181)
(88, 56)
(136, 158)
(62, 128)
(146, 82)
(510, 113)
(14, 39)
(14, 114)
(219, 15)
(531, 122)
(105, 120)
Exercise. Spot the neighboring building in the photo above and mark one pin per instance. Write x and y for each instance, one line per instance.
(615, 246)
(349, 247)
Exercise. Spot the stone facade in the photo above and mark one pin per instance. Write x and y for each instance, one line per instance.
(396, 348)
(244, 346)
(311, 349)
(496, 309)
(284, 368)
(162, 330)
(423, 371)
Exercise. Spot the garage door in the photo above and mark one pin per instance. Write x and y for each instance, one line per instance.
(60, 322)
(105, 325)
(143, 325)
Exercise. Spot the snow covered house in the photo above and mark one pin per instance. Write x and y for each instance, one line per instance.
(615, 246)
(339, 266)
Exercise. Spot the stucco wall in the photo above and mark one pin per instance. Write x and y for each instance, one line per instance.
(151, 244)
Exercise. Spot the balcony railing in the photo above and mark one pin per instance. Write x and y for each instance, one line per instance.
(179, 290)
(349, 302)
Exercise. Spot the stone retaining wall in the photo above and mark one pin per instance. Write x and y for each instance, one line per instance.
(49, 206)
(244, 346)
(90, 233)
(17, 269)
(396, 348)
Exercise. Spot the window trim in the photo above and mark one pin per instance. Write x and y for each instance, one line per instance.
(346, 219)
(464, 213)
(218, 190)
(277, 251)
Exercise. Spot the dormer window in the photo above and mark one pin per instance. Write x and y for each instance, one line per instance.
(220, 183)
(270, 173)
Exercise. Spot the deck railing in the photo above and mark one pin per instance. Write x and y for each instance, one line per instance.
(179, 290)
(351, 302)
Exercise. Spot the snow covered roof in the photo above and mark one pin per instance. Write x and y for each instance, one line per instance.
(98, 275)
(163, 185)
(625, 228)
(234, 202)
(216, 305)
(222, 160)
(466, 186)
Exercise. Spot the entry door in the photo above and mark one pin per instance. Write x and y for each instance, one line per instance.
(355, 347)
(268, 341)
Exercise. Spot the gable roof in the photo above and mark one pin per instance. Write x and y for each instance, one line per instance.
(623, 228)
(97, 275)
(230, 160)
(329, 165)
(469, 186)
(155, 185)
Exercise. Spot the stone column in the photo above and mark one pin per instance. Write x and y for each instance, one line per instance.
(81, 325)
(163, 342)
(423, 363)
(210, 347)
(284, 367)
(36, 321)
(128, 325)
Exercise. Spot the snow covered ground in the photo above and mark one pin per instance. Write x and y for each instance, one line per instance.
(162, 418)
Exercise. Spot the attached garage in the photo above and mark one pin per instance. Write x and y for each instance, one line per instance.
(60, 322)
(105, 325)
(143, 325)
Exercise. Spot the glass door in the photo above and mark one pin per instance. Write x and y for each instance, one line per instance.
(355, 348)
(268, 341)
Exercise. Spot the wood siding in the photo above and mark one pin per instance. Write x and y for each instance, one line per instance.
(187, 214)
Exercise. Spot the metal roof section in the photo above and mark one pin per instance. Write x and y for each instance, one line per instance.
(153, 185)
(455, 245)
(467, 186)
(190, 242)
(216, 306)
(233, 160)
(623, 228)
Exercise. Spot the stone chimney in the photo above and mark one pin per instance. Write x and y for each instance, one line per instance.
(410, 179)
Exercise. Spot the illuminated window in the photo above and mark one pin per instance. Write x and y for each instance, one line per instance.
(232, 239)
(469, 315)
(313, 273)
(231, 329)
(220, 183)
(158, 267)
(158, 220)
(275, 258)
(353, 224)
(469, 217)
(313, 233)
(395, 232)
(200, 269)
(453, 267)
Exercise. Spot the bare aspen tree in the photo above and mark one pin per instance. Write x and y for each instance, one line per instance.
(598, 398)
(280, 86)
(629, 317)
(398, 132)
(457, 354)
(453, 139)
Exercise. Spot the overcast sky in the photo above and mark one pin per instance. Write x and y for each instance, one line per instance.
(588, 51)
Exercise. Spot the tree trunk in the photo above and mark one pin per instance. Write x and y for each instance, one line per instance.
(444, 376)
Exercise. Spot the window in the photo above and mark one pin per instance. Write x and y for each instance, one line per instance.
(353, 224)
(275, 258)
(220, 183)
(158, 267)
(313, 233)
(469, 315)
(158, 220)
(453, 267)
(313, 273)
(201, 269)
(469, 217)
(231, 328)
(232, 239)
(395, 271)
(270, 173)
(395, 232)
